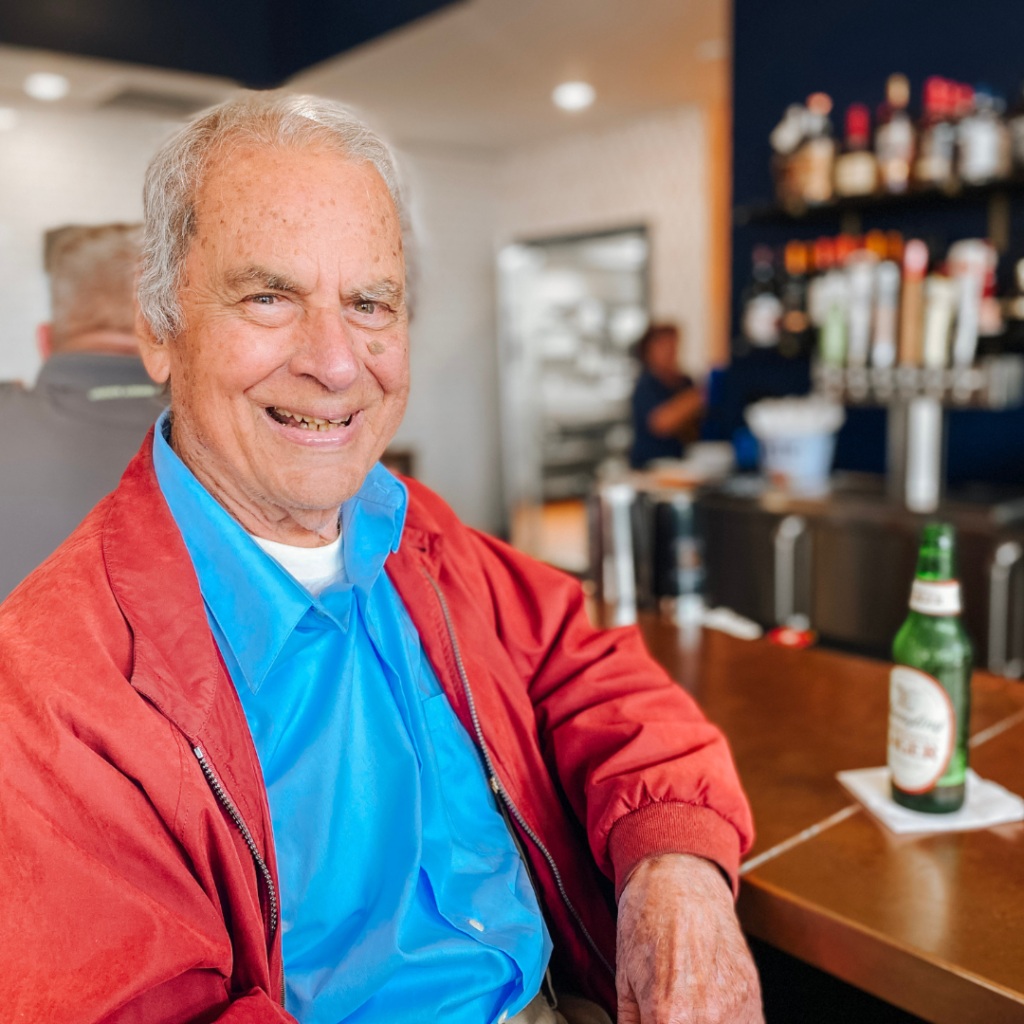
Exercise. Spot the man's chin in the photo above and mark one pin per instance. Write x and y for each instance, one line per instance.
(310, 496)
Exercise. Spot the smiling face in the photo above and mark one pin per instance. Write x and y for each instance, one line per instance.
(292, 373)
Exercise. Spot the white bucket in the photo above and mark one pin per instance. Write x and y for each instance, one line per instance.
(798, 440)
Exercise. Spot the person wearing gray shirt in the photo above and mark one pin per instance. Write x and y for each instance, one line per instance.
(65, 443)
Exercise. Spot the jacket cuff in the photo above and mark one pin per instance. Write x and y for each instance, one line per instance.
(673, 828)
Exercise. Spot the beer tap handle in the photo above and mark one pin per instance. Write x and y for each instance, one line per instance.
(1006, 556)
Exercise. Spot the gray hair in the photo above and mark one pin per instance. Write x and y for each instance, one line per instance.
(175, 177)
(92, 272)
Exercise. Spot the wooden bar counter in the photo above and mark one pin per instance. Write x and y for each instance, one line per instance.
(931, 923)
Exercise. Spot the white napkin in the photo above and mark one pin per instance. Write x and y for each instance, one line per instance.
(985, 804)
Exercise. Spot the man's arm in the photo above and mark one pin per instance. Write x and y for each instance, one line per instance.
(656, 787)
(669, 418)
(681, 956)
(644, 771)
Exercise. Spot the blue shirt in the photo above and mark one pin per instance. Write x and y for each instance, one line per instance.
(403, 898)
(648, 394)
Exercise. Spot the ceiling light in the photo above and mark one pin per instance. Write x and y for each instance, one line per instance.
(8, 118)
(46, 85)
(573, 95)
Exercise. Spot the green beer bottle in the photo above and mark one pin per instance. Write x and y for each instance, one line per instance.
(930, 684)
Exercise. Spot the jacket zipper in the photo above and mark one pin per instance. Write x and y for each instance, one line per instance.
(226, 802)
(498, 786)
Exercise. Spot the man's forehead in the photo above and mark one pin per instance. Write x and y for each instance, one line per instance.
(270, 177)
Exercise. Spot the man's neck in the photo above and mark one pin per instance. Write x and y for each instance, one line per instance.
(100, 343)
(303, 528)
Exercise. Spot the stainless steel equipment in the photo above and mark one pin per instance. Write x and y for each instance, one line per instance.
(844, 564)
(645, 552)
(917, 400)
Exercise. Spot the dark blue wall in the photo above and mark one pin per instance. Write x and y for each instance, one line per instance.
(257, 42)
(786, 49)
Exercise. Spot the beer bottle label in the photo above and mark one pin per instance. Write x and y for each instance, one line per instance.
(922, 729)
(931, 598)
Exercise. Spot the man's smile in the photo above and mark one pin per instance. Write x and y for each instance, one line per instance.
(303, 421)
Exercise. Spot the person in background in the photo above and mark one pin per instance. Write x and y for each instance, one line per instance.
(666, 405)
(65, 443)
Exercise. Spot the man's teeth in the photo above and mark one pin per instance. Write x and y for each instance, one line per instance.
(297, 419)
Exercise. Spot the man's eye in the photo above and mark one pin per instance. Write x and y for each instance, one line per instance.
(367, 307)
(264, 300)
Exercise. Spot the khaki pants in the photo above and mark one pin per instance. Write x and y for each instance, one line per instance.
(571, 1010)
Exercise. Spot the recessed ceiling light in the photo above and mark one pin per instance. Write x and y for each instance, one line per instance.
(46, 85)
(8, 118)
(573, 95)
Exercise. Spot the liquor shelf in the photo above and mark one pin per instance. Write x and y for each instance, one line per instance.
(918, 199)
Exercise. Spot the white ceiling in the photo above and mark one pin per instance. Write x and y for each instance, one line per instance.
(95, 82)
(476, 74)
(480, 73)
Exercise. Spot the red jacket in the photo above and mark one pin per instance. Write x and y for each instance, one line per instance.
(130, 892)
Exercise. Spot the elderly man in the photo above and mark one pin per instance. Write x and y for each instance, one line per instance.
(65, 443)
(283, 738)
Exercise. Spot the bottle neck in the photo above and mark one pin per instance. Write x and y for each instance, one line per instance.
(936, 590)
(936, 558)
(938, 599)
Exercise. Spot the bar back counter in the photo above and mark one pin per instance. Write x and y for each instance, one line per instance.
(844, 563)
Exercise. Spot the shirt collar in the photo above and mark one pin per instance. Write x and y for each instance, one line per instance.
(255, 602)
(84, 371)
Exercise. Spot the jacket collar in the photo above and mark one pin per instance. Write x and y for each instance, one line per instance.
(176, 662)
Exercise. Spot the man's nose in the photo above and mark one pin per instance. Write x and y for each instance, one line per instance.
(326, 351)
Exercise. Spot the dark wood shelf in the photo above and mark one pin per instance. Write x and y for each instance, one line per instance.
(931, 199)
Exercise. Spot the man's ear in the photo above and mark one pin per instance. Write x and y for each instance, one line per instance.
(154, 352)
(44, 340)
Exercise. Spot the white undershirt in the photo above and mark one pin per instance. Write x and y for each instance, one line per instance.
(314, 568)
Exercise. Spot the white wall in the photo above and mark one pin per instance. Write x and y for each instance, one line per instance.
(59, 167)
(649, 171)
(452, 421)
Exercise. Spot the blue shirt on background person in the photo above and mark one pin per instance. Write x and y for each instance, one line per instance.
(664, 404)
(648, 394)
(403, 898)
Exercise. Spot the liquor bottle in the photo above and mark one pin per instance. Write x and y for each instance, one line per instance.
(811, 165)
(894, 136)
(762, 308)
(1013, 312)
(823, 259)
(856, 169)
(795, 324)
(983, 140)
(1015, 122)
(937, 139)
(930, 684)
(785, 140)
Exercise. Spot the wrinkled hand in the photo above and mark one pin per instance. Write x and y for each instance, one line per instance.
(681, 956)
